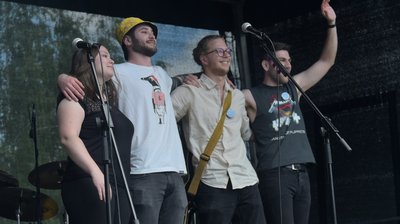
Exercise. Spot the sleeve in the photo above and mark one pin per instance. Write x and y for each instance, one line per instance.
(176, 81)
(166, 78)
(181, 100)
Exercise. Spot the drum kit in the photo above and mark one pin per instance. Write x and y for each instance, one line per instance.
(22, 204)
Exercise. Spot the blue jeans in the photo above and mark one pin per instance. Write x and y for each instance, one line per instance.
(294, 197)
(226, 206)
(158, 198)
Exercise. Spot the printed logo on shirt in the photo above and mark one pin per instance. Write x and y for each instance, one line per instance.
(158, 98)
(283, 109)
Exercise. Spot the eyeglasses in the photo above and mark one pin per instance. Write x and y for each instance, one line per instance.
(221, 52)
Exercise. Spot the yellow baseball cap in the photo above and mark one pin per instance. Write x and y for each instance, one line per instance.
(129, 23)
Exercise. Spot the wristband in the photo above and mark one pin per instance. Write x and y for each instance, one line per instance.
(331, 26)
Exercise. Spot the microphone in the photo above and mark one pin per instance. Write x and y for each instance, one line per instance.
(78, 43)
(248, 28)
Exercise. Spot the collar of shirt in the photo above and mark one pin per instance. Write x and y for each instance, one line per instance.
(210, 84)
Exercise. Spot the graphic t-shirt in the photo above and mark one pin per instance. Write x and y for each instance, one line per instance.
(279, 129)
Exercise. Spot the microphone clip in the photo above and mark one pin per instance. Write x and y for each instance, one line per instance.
(78, 43)
(248, 28)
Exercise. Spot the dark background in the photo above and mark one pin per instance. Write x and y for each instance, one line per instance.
(360, 95)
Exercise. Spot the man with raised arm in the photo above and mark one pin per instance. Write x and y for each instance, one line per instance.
(282, 147)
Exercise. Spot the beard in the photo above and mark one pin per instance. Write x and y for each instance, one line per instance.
(279, 78)
(143, 49)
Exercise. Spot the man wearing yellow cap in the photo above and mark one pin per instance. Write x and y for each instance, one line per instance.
(157, 160)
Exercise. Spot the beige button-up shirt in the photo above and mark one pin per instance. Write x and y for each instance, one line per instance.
(200, 110)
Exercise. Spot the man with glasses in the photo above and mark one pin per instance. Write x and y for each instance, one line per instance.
(228, 191)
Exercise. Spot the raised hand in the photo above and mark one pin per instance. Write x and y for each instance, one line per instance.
(328, 12)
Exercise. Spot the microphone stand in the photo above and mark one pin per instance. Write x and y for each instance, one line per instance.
(109, 140)
(264, 39)
(328, 155)
(33, 135)
(18, 212)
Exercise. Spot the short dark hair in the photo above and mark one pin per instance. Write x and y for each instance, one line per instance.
(276, 46)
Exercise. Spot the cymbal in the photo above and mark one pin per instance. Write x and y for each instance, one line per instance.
(14, 197)
(50, 175)
(7, 180)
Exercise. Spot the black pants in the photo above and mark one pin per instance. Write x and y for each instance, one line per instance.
(83, 205)
(225, 206)
(291, 199)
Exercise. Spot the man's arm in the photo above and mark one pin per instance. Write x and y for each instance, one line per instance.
(71, 87)
(190, 79)
(250, 104)
(318, 70)
(181, 98)
(245, 130)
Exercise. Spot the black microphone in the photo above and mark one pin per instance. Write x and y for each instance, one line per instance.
(78, 43)
(247, 28)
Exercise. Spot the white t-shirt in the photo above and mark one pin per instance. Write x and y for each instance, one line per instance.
(144, 97)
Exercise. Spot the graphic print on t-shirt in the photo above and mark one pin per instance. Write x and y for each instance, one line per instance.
(283, 111)
(158, 97)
